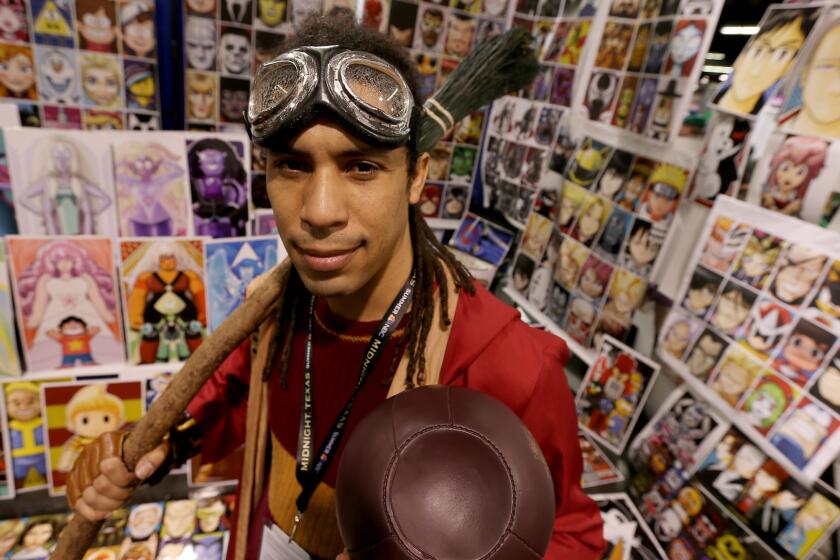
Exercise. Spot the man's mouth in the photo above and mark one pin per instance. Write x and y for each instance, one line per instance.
(327, 259)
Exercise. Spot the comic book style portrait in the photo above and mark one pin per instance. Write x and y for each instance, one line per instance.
(574, 44)
(53, 22)
(797, 274)
(658, 47)
(39, 536)
(61, 185)
(732, 308)
(102, 80)
(96, 23)
(601, 96)
(455, 201)
(685, 44)
(546, 203)
(9, 360)
(803, 354)
(759, 257)
(231, 266)
(743, 465)
(430, 200)
(218, 187)
(66, 297)
(615, 173)
(58, 75)
(723, 244)
(523, 269)
(587, 163)
(594, 278)
(178, 520)
(663, 109)
(718, 166)
(151, 188)
(26, 435)
(796, 164)
(809, 525)
(701, 292)
(629, 197)
(592, 216)
(78, 413)
(627, 92)
(615, 45)
(642, 105)
(464, 159)
(705, 353)
(431, 28)
(141, 532)
(571, 259)
(642, 248)
(801, 433)
(769, 324)
(827, 386)
(202, 96)
(735, 375)
(234, 51)
(615, 230)
(779, 509)
(13, 25)
(626, 293)
(535, 238)
(561, 87)
(639, 48)
(597, 468)
(768, 401)
(766, 59)
(613, 393)
(140, 85)
(17, 72)
(137, 23)
(165, 306)
(811, 106)
(580, 318)
(679, 332)
(200, 43)
(439, 159)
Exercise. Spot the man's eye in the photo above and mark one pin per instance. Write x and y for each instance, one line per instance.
(363, 167)
(289, 165)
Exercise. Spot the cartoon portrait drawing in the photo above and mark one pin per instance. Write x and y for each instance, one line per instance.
(165, 302)
(626, 293)
(150, 188)
(614, 233)
(735, 375)
(523, 269)
(642, 105)
(575, 41)
(64, 193)
(678, 335)
(234, 52)
(626, 95)
(797, 274)
(231, 266)
(705, 354)
(594, 212)
(572, 257)
(827, 386)
(202, 96)
(717, 168)
(658, 47)
(13, 27)
(803, 431)
(767, 402)
(819, 84)
(26, 434)
(430, 200)
(732, 309)
(137, 18)
(594, 277)
(430, 28)
(580, 319)
(803, 354)
(536, 236)
(142, 529)
(96, 22)
(200, 43)
(178, 520)
(237, 11)
(590, 158)
(67, 301)
(218, 183)
(662, 195)
(825, 307)
(459, 35)
(270, 13)
(642, 248)
(140, 86)
(629, 197)
(601, 96)
(797, 163)
(723, 244)
(455, 202)
(663, 111)
(540, 286)
(808, 525)
(756, 262)
(769, 323)
(701, 292)
(17, 72)
(58, 80)
(766, 59)
(101, 80)
(615, 173)
(614, 45)
(38, 538)
(53, 22)
(683, 48)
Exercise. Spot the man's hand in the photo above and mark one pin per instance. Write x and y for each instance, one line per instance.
(100, 482)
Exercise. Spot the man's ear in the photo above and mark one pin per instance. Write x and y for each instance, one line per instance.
(418, 181)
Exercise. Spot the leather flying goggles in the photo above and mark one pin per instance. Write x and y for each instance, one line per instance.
(368, 95)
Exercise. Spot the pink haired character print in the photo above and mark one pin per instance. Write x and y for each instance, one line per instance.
(794, 166)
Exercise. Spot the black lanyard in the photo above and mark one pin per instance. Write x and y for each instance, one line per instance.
(312, 467)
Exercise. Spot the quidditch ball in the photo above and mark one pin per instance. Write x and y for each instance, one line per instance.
(444, 473)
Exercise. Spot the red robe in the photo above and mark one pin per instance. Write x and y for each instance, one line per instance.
(489, 350)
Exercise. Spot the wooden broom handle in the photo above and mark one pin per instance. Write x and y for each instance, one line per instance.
(167, 411)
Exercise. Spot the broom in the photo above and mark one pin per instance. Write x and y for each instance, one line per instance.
(504, 64)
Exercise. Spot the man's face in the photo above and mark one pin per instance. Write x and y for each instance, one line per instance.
(341, 207)
(460, 36)
(101, 86)
(97, 27)
(22, 405)
(766, 60)
(821, 81)
(17, 73)
(140, 37)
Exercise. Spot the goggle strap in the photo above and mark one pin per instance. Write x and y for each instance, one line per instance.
(433, 103)
(437, 119)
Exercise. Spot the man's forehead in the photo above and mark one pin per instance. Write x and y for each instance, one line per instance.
(327, 134)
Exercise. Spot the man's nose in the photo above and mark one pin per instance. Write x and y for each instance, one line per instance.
(323, 205)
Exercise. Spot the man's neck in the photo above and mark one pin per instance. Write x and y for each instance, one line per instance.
(373, 300)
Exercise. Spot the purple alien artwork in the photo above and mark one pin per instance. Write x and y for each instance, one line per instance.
(219, 187)
(151, 188)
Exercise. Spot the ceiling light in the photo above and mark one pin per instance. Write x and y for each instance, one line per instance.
(739, 30)
(715, 56)
(712, 69)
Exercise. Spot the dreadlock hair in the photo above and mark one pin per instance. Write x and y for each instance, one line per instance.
(434, 264)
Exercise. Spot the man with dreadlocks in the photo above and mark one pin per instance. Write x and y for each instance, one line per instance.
(374, 305)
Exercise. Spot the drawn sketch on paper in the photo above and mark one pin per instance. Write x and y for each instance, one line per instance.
(219, 183)
(9, 360)
(26, 435)
(66, 295)
(164, 298)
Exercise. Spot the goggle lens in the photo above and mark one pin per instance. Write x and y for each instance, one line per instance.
(280, 81)
(376, 88)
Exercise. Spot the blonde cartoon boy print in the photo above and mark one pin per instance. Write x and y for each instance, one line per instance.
(90, 413)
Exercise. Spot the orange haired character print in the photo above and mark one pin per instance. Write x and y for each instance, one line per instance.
(17, 72)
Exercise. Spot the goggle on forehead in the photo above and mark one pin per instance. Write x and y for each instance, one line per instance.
(368, 94)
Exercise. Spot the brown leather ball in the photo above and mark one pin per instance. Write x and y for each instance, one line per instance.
(444, 473)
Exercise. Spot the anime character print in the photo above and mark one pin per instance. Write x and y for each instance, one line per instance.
(165, 304)
(803, 431)
(140, 85)
(570, 202)
(593, 214)
(827, 386)
(594, 277)
(13, 26)
(17, 73)
(601, 96)
(802, 355)
(737, 470)
(141, 532)
(825, 306)
(794, 166)
(732, 309)
(58, 76)
(137, 21)
(629, 197)
(756, 262)
(705, 353)
(580, 318)
(614, 47)
(767, 401)
(26, 435)
(797, 274)
(589, 159)
(626, 293)
(723, 244)
(685, 44)
(67, 301)
(572, 257)
(39, 537)
(769, 324)
(735, 375)
(615, 173)
(218, 182)
(679, 332)
(809, 525)
(96, 23)
(615, 230)
(536, 236)
(102, 80)
(627, 92)
(701, 292)
(718, 167)
(642, 247)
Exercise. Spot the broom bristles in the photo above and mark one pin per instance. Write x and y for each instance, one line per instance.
(504, 64)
